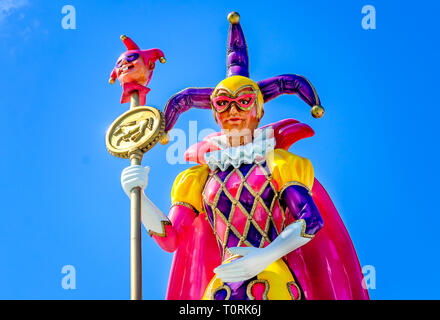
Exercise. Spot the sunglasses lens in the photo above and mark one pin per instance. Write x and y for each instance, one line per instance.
(132, 57)
(129, 58)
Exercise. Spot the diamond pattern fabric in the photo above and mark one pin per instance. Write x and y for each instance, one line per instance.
(242, 206)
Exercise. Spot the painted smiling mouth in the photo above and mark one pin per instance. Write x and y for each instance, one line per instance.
(234, 119)
(126, 68)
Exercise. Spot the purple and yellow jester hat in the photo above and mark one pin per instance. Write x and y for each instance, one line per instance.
(237, 76)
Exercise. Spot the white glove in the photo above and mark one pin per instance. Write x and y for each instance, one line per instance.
(134, 176)
(255, 260)
(152, 218)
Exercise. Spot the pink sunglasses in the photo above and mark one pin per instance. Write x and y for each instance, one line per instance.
(244, 102)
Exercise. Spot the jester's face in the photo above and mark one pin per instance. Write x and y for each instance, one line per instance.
(130, 67)
(237, 104)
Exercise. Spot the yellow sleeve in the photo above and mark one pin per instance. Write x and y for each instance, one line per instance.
(188, 187)
(288, 169)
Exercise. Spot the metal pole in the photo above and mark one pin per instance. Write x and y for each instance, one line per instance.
(135, 227)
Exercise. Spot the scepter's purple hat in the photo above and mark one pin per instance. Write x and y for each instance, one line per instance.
(238, 65)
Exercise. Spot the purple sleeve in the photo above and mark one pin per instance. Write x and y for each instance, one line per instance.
(301, 205)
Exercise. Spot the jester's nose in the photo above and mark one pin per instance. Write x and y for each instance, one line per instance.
(234, 108)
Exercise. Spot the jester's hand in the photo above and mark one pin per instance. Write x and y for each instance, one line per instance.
(253, 262)
(134, 176)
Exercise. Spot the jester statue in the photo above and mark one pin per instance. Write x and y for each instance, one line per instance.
(250, 220)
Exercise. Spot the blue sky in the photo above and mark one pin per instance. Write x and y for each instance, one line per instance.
(375, 150)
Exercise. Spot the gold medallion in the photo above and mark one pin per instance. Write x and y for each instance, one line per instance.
(138, 129)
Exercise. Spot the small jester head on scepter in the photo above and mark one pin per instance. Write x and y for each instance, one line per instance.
(134, 69)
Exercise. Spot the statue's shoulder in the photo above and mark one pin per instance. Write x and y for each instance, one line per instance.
(286, 167)
(188, 186)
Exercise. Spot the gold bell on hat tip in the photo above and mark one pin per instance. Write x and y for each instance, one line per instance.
(123, 37)
(162, 60)
(164, 139)
(234, 17)
(317, 111)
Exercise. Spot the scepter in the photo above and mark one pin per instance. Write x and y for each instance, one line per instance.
(134, 133)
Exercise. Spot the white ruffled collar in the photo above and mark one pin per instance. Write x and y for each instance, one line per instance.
(227, 156)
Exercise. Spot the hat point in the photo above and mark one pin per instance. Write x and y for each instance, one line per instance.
(234, 17)
(317, 111)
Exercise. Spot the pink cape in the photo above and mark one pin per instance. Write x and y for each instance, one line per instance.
(327, 268)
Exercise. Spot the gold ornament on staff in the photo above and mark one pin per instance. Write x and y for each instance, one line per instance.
(134, 133)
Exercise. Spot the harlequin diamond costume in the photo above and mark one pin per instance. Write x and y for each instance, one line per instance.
(255, 196)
